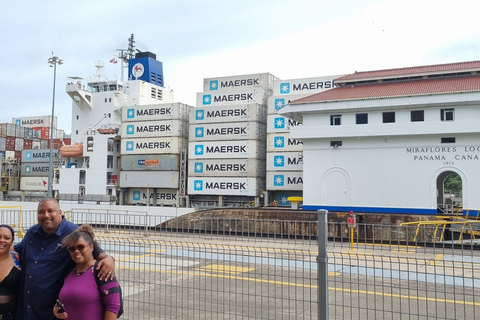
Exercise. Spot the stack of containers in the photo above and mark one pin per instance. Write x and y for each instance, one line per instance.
(8, 141)
(40, 126)
(284, 154)
(153, 139)
(227, 136)
(35, 168)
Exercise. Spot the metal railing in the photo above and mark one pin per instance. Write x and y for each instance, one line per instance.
(201, 267)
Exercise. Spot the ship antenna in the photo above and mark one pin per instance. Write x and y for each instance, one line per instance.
(126, 54)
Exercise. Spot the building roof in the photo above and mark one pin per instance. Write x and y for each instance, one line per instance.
(453, 80)
(412, 71)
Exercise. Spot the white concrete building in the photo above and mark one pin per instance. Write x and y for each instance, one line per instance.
(384, 141)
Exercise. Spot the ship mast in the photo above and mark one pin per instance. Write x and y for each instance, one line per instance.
(126, 54)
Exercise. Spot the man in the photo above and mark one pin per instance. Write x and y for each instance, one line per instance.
(45, 262)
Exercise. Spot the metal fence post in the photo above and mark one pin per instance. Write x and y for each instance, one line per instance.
(322, 264)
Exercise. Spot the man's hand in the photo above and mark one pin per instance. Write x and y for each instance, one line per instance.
(106, 267)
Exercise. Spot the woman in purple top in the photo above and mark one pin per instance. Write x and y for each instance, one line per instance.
(80, 294)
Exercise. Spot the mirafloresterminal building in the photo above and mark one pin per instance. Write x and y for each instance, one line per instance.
(384, 141)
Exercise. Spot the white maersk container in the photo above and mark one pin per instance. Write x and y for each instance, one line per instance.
(166, 197)
(33, 183)
(236, 113)
(277, 123)
(35, 169)
(284, 161)
(232, 97)
(227, 131)
(160, 145)
(277, 102)
(285, 180)
(164, 111)
(281, 142)
(38, 121)
(150, 129)
(225, 186)
(263, 80)
(226, 149)
(149, 179)
(306, 86)
(226, 168)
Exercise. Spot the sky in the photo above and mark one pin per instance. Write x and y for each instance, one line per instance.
(216, 38)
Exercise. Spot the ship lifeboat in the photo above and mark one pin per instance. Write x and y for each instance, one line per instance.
(106, 131)
(75, 150)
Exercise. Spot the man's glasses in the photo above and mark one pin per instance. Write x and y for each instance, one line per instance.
(79, 247)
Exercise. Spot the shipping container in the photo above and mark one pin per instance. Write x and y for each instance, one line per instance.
(165, 145)
(277, 123)
(19, 132)
(164, 111)
(2, 143)
(35, 169)
(263, 80)
(307, 86)
(150, 162)
(7, 130)
(44, 144)
(232, 97)
(28, 133)
(150, 129)
(167, 197)
(227, 131)
(18, 155)
(33, 183)
(10, 143)
(36, 144)
(280, 142)
(284, 161)
(2, 155)
(9, 154)
(285, 180)
(226, 168)
(148, 179)
(19, 144)
(44, 132)
(236, 113)
(225, 186)
(27, 144)
(275, 103)
(242, 149)
(37, 134)
(58, 133)
(38, 155)
(37, 121)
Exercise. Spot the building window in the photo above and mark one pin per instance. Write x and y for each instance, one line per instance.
(447, 114)
(106, 100)
(335, 144)
(417, 115)
(388, 117)
(76, 131)
(336, 120)
(448, 140)
(78, 117)
(362, 118)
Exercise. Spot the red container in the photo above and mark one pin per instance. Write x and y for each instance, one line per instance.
(10, 143)
(18, 155)
(27, 144)
(44, 132)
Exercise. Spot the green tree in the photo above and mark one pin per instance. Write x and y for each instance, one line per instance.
(453, 183)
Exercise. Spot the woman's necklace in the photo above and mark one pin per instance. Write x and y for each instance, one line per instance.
(88, 264)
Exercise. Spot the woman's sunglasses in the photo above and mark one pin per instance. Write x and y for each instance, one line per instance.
(79, 247)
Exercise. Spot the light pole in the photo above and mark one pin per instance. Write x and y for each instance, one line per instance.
(53, 61)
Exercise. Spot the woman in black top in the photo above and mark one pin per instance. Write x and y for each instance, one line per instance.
(9, 274)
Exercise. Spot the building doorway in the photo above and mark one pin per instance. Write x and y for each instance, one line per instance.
(449, 192)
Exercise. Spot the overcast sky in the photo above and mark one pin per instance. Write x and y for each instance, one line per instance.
(203, 39)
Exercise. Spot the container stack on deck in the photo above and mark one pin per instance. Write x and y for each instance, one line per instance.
(284, 154)
(153, 139)
(227, 140)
